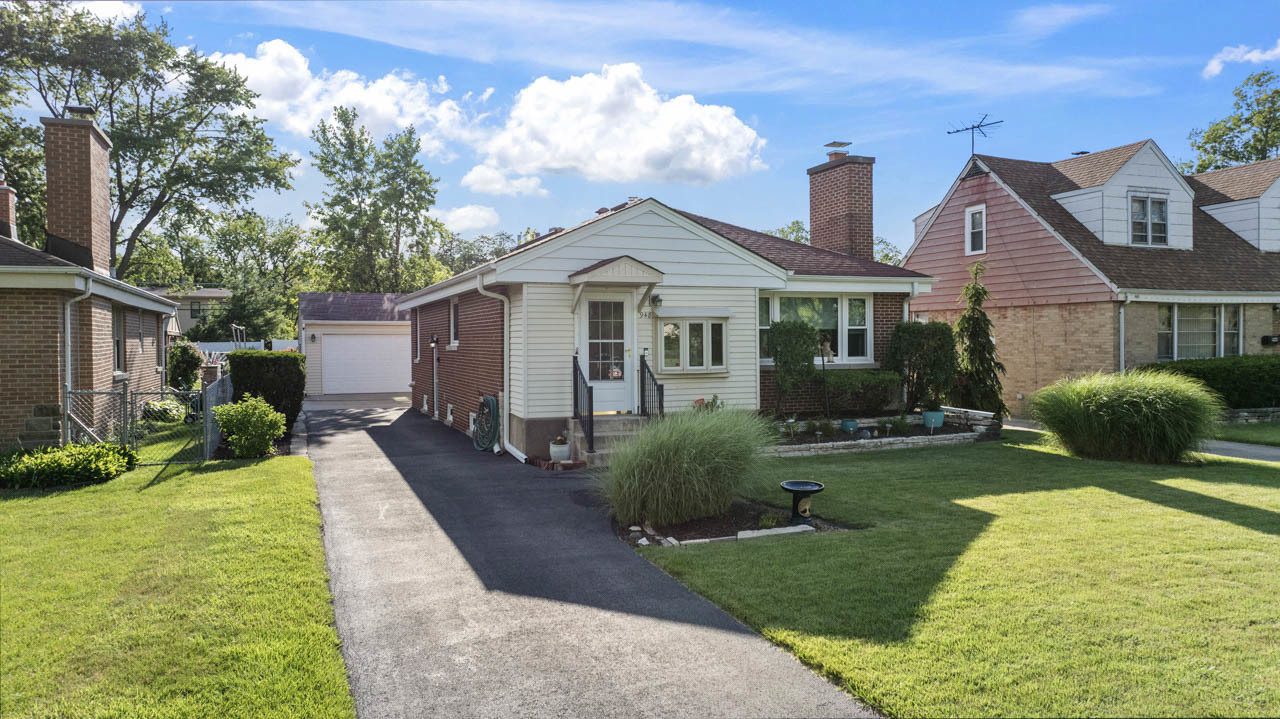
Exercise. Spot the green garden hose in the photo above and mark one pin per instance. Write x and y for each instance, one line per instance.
(485, 432)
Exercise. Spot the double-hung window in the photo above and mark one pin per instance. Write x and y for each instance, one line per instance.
(1148, 220)
(843, 322)
(197, 310)
(1195, 331)
(693, 345)
(117, 340)
(975, 225)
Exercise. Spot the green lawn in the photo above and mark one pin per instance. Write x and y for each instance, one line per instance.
(170, 441)
(1009, 579)
(187, 590)
(1260, 433)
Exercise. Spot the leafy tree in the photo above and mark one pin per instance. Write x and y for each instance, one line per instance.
(179, 124)
(155, 265)
(794, 344)
(255, 305)
(885, 251)
(375, 231)
(254, 251)
(22, 166)
(1249, 134)
(459, 255)
(980, 366)
(924, 354)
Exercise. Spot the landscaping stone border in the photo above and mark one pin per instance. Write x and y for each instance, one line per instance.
(871, 445)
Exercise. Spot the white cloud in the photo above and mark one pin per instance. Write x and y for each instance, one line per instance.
(467, 217)
(1239, 53)
(613, 127)
(296, 98)
(110, 9)
(701, 48)
(489, 180)
(1043, 20)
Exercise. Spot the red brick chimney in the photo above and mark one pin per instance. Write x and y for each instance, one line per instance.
(8, 211)
(840, 204)
(78, 191)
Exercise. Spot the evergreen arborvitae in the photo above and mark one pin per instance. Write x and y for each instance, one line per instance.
(980, 367)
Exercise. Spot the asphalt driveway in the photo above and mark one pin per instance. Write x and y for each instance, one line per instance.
(470, 585)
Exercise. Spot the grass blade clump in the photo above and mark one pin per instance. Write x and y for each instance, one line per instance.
(685, 466)
(1140, 415)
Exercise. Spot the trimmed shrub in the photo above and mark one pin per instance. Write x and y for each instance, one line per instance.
(924, 355)
(793, 345)
(163, 410)
(1245, 382)
(862, 390)
(684, 466)
(45, 467)
(1140, 415)
(277, 377)
(184, 362)
(251, 426)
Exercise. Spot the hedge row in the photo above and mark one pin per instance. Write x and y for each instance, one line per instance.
(278, 377)
(1245, 382)
(44, 467)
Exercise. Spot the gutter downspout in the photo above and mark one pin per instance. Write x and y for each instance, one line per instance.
(906, 304)
(1127, 300)
(66, 340)
(506, 369)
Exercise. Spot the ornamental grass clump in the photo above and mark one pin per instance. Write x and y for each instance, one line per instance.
(685, 466)
(1139, 415)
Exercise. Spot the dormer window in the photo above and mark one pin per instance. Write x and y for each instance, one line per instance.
(1149, 220)
(975, 223)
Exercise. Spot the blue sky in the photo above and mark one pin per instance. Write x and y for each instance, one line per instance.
(536, 113)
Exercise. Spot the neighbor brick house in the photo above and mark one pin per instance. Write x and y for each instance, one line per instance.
(643, 295)
(1107, 260)
(65, 323)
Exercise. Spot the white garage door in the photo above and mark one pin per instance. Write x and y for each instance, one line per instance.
(365, 363)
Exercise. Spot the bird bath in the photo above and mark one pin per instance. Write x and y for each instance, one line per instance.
(801, 490)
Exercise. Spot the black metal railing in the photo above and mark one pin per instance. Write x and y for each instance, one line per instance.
(584, 405)
(650, 391)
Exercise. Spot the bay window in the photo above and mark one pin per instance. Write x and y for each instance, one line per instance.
(1195, 331)
(693, 345)
(843, 323)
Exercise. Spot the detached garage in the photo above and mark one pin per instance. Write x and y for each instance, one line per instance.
(356, 343)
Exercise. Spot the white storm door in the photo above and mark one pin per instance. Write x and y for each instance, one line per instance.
(605, 327)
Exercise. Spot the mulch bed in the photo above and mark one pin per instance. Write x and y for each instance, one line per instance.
(742, 515)
(916, 430)
(282, 448)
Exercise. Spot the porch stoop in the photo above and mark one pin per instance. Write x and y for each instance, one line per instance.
(609, 429)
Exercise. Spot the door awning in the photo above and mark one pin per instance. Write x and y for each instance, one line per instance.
(621, 270)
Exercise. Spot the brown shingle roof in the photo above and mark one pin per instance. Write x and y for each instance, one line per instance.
(800, 258)
(1096, 168)
(350, 307)
(1220, 261)
(17, 254)
(1241, 182)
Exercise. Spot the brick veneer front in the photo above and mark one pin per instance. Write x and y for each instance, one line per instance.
(887, 313)
(467, 373)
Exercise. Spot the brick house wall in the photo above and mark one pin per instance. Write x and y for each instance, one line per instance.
(30, 367)
(840, 213)
(886, 311)
(79, 205)
(472, 369)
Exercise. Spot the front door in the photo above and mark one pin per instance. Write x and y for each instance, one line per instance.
(604, 349)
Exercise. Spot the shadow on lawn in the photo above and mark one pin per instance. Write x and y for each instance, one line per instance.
(883, 578)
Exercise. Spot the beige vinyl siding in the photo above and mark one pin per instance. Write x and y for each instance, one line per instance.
(1240, 217)
(314, 350)
(737, 388)
(549, 351)
(685, 257)
(1086, 206)
(1269, 219)
(515, 402)
(1145, 171)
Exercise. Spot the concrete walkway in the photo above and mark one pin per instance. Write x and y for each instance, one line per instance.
(468, 585)
(1243, 450)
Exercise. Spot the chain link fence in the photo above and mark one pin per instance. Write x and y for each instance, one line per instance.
(216, 393)
(96, 416)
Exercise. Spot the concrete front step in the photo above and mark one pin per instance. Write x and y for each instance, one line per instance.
(608, 430)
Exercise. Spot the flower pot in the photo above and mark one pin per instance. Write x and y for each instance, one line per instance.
(849, 425)
(932, 418)
(559, 453)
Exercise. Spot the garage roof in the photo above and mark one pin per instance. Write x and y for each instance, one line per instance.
(350, 307)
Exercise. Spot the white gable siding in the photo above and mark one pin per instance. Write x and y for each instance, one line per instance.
(683, 255)
(515, 402)
(1239, 217)
(1146, 171)
(740, 386)
(548, 354)
(1269, 219)
(1086, 206)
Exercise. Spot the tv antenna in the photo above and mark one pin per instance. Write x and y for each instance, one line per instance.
(980, 126)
